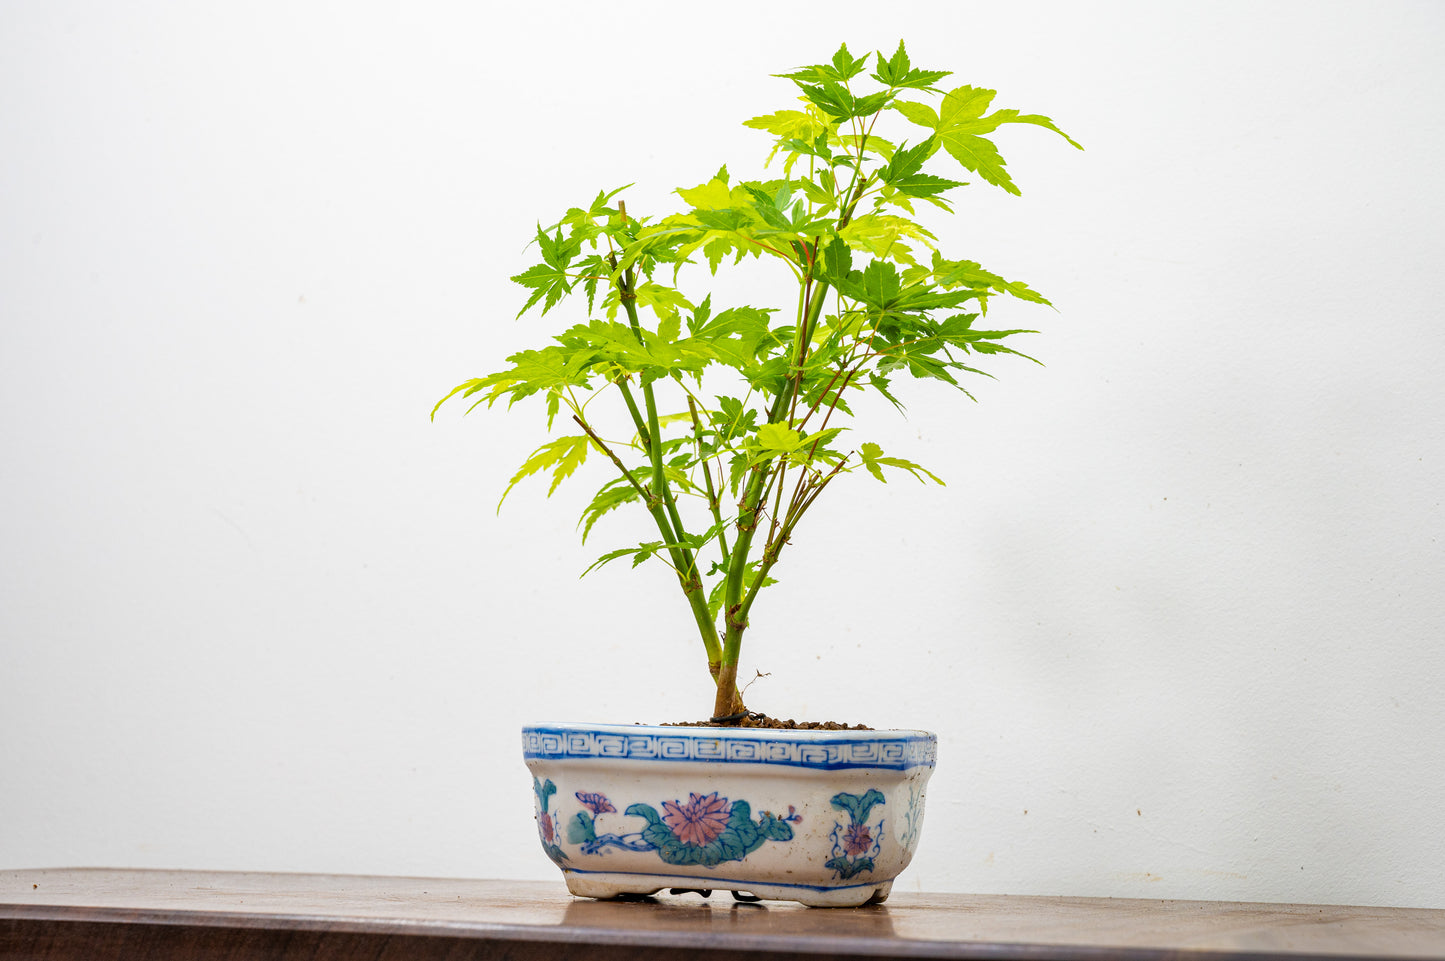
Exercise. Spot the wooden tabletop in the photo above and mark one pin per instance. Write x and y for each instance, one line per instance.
(108, 913)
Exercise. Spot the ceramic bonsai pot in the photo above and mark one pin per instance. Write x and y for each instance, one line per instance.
(827, 818)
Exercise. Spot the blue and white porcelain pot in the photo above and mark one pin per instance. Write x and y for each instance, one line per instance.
(828, 818)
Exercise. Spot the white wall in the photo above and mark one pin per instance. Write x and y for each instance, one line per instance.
(1177, 617)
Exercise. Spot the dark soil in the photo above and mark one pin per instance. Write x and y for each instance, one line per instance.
(762, 720)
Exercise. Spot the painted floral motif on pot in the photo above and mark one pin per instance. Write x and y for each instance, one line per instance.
(705, 830)
(546, 821)
(856, 843)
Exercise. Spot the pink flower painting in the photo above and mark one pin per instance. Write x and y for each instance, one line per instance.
(857, 840)
(596, 803)
(700, 820)
(544, 820)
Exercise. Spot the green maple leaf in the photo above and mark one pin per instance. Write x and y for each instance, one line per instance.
(843, 67)
(967, 273)
(880, 284)
(898, 73)
(846, 64)
(774, 438)
(612, 496)
(873, 459)
(549, 279)
(959, 126)
(546, 281)
(882, 236)
(563, 455)
(665, 301)
(830, 97)
(638, 554)
(904, 172)
(790, 125)
(766, 207)
(531, 371)
(713, 195)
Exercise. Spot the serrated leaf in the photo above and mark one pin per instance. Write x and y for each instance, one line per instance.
(869, 453)
(665, 301)
(533, 371)
(817, 442)
(871, 104)
(873, 459)
(778, 438)
(967, 273)
(713, 195)
(645, 551)
(737, 467)
(1039, 121)
(610, 498)
(880, 384)
(830, 97)
(906, 160)
(872, 143)
(846, 64)
(554, 404)
(555, 251)
(979, 155)
(571, 455)
(894, 67)
(882, 236)
(904, 172)
(563, 456)
(789, 124)
(584, 222)
(546, 281)
(696, 542)
(700, 314)
(897, 72)
(813, 73)
(959, 126)
(638, 554)
(843, 67)
(922, 79)
(880, 284)
(766, 207)
(466, 388)
(922, 366)
(732, 418)
(919, 113)
(965, 103)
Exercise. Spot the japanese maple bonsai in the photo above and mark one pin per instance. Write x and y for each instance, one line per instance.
(728, 468)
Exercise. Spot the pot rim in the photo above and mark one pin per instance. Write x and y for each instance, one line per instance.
(898, 750)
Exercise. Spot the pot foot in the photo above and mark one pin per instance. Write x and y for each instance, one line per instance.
(605, 886)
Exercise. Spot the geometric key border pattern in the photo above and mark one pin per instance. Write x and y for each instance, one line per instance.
(897, 753)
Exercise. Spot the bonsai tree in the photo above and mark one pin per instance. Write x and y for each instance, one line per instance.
(727, 422)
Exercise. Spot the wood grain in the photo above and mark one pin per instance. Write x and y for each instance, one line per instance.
(109, 913)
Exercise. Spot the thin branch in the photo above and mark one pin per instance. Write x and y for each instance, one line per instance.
(602, 446)
(712, 497)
